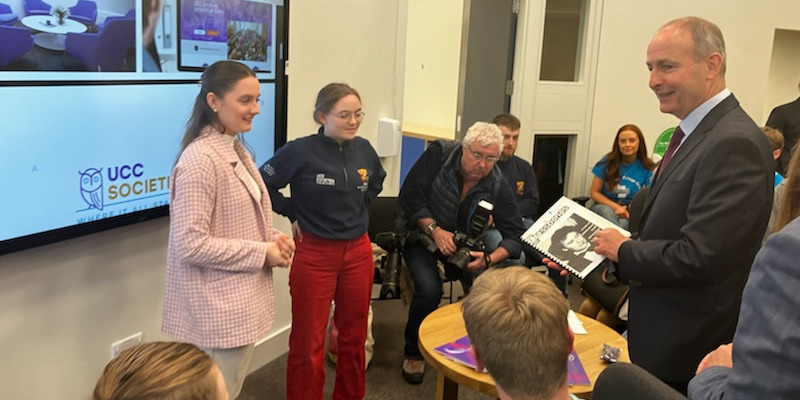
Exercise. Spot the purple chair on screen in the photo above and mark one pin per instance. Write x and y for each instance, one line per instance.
(37, 7)
(14, 42)
(84, 12)
(7, 16)
(105, 50)
(131, 14)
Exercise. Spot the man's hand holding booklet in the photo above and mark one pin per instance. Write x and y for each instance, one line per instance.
(565, 233)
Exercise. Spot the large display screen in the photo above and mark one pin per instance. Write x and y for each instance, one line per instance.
(86, 150)
(78, 165)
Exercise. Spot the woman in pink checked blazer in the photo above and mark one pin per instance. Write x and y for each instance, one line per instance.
(222, 247)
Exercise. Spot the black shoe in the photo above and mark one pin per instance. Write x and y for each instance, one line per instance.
(413, 370)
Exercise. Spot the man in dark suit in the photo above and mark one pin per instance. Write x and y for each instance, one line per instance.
(786, 118)
(706, 212)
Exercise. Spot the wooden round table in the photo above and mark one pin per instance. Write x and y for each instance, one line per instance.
(446, 324)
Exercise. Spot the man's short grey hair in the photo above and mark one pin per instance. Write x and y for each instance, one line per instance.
(706, 36)
(486, 134)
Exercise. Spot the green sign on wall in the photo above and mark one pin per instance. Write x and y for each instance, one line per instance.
(663, 142)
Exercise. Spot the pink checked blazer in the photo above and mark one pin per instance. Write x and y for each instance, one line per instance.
(218, 292)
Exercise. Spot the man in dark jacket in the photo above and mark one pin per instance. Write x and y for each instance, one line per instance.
(439, 197)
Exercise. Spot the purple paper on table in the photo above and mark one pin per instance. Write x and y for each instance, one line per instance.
(576, 375)
(458, 351)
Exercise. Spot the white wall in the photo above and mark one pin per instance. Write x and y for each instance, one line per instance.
(622, 95)
(62, 305)
(784, 70)
(432, 60)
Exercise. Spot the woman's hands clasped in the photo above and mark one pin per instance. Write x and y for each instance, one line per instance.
(280, 253)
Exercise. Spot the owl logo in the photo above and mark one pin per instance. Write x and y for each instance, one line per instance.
(92, 187)
(363, 173)
(520, 187)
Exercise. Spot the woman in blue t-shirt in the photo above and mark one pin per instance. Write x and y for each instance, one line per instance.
(620, 174)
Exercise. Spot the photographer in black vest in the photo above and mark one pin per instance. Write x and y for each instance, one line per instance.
(440, 198)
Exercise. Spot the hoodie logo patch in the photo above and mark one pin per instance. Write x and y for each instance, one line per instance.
(322, 180)
(268, 169)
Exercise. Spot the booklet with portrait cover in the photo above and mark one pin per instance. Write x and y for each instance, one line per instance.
(564, 234)
(458, 351)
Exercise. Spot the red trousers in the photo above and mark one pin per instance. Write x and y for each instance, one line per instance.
(325, 270)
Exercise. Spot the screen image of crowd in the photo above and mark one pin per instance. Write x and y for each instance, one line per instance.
(206, 20)
(247, 41)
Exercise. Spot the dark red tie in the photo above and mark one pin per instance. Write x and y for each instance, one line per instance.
(674, 142)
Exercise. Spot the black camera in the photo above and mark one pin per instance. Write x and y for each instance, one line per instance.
(391, 263)
(465, 242)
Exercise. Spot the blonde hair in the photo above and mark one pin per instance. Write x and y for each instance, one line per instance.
(158, 371)
(517, 323)
(774, 137)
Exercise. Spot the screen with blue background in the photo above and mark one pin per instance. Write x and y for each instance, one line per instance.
(76, 154)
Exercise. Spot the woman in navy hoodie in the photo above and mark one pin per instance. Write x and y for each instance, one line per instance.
(334, 175)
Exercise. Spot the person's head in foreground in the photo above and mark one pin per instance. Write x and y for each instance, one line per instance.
(516, 320)
(161, 371)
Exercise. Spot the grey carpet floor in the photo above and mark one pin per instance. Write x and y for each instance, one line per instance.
(384, 381)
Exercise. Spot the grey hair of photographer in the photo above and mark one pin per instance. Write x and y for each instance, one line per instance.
(486, 134)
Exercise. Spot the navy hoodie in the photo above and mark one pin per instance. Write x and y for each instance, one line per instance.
(332, 184)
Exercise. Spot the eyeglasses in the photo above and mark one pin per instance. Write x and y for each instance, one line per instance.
(347, 115)
(480, 157)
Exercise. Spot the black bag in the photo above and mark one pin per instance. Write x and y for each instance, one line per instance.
(605, 289)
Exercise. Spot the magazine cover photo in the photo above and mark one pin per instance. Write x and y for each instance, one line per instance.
(564, 234)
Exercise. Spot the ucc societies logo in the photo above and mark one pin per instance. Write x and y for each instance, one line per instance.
(104, 187)
(92, 187)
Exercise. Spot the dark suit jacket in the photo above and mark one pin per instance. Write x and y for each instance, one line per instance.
(701, 227)
(786, 118)
(623, 381)
(766, 348)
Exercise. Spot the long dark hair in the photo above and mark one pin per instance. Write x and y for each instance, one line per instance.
(614, 158)
(790, 206)
(219, 79)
